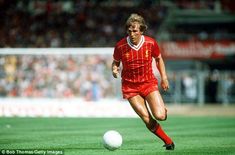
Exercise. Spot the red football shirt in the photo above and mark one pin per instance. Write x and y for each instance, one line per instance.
(136, 59)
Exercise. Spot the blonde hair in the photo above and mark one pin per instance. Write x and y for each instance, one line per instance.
(136, 18)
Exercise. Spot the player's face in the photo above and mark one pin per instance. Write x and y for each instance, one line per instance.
(134, 33)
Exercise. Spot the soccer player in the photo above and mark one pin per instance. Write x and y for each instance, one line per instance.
(139, 85)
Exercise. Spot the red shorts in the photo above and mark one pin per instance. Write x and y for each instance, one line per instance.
(143, 89)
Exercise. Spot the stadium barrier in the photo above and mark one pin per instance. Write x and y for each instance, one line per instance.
(44, 107)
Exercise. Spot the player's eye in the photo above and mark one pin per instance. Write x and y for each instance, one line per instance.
(132, 31)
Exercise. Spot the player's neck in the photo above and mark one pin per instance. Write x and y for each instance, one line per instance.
(137, 44)
(137, 41)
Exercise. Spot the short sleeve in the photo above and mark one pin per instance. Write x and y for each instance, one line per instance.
(156, 52)
(116, 54)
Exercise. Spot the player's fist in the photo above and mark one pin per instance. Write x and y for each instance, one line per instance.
(115, 71)
(165, 84)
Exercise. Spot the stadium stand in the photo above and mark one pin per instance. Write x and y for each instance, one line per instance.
(178, 25)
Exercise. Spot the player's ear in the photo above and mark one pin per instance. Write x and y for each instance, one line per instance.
(143, 28)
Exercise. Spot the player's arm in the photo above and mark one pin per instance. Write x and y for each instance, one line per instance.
(162, 70)
(115, 68)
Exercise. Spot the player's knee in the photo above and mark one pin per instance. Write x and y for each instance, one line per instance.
(160, 116)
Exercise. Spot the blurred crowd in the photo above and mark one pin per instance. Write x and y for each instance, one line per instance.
(94, 23)
(89, 77)
(85, 23)
(48, 76)
(218, 87)
(77, 23)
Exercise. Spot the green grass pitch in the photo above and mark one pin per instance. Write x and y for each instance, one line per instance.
(83, 136)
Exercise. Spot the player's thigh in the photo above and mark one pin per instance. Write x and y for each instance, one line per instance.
(139, 105)
(156, 105)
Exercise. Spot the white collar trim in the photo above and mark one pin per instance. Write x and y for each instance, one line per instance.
(136, 47)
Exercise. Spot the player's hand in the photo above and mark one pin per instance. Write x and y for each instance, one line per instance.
(165, 84)
(115, 71)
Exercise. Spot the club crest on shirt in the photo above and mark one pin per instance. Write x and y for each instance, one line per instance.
(146, 53)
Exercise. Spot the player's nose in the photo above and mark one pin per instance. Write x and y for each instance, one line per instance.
(131, 34)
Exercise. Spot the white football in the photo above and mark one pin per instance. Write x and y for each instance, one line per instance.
(112, 140)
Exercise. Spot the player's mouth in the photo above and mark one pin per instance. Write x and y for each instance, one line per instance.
(133, 40)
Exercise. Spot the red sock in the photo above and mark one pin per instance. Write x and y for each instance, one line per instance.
(161, 134)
